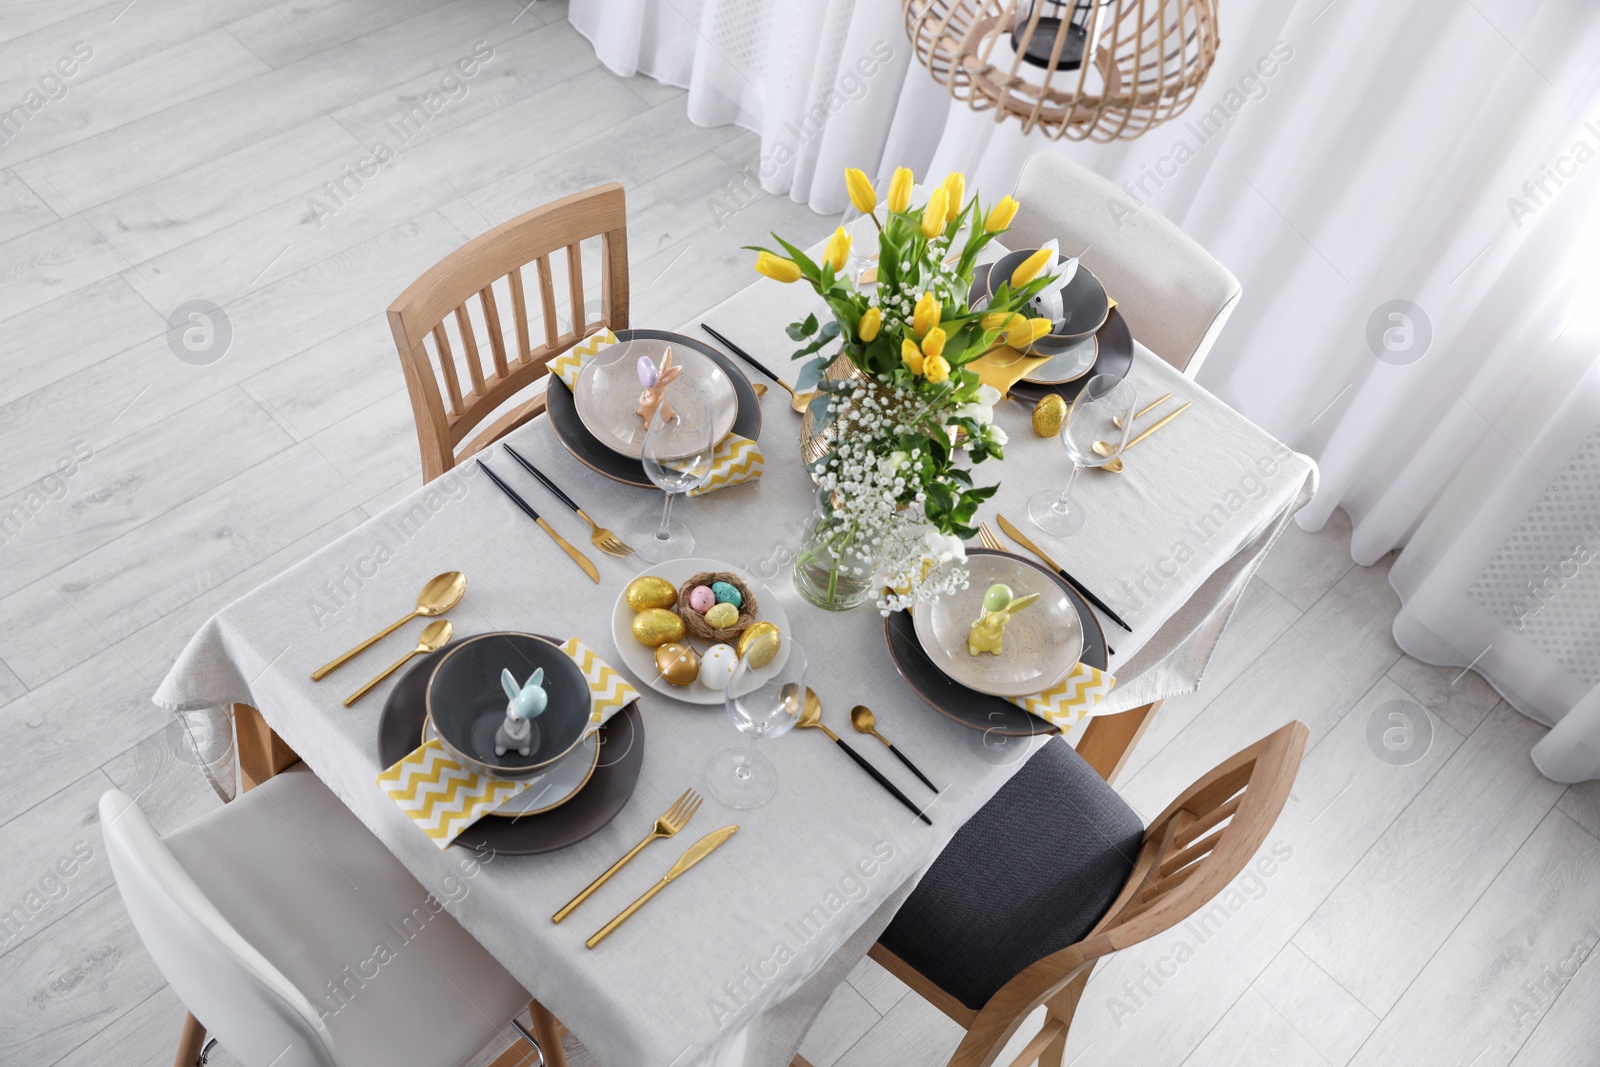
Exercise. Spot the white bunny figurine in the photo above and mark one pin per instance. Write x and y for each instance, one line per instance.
(526, 703)
(1049, 303)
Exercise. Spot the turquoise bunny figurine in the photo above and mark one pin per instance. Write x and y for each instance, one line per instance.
(525, 703)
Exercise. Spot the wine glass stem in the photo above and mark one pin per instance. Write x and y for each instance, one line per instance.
(663, 533)
(1061, 506)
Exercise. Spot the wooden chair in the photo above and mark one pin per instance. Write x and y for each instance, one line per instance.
(440, 302)
(1176, 866)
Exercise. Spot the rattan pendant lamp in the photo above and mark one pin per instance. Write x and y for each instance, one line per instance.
(1094, 70)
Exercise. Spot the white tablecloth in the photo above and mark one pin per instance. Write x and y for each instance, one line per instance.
(732, 963)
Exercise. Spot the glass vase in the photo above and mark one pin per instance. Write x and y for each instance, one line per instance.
(832, 569)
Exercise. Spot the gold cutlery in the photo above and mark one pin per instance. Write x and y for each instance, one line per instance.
(676, 818)
(811, 719)
(797, 401)
(1142, 412)
(697, 852)
(759, 387)
(577, 557)
(862, 719)
(435, 636)
(1018, 536)
(442, 593)
(599, 536)
(1105, 448)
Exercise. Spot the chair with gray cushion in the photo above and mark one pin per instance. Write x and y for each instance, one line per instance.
(1057, 872)
(1174, 294)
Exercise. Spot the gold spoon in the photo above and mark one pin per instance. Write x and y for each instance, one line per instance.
(811, 719)
(1142, 412)
(798, 401)
(435, 636)
(1106, 448)
(442, 593)
(760, 389)
(862, 719)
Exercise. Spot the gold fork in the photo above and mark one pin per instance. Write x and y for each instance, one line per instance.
(676, 818)
(599, 536)
(990, 539)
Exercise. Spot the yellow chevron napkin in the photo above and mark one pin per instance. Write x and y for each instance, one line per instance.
(737, 460)
(568, 364)
(1071, 700)
(444, 798)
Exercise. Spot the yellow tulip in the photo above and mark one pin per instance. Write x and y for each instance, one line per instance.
(926, 314)
(777, 268)
(995, 320)
(1030, 267)
(956, 189)
(870, 323)
(1018, 333)
(1039, 328)
(936, 369)
(838, 250)
(1000, 215)
(862, 194)
(911, 355)
(933, 344)
(933, 215)
(900, 189)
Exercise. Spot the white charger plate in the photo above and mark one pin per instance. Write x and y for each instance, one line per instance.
(607, 393)
(1042, 643)
(641, 660)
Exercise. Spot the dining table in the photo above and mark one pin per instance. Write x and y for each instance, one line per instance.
(732, 963)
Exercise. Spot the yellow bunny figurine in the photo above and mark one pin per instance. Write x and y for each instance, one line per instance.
(999, 605)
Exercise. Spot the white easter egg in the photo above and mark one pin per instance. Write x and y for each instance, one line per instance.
(716, 666)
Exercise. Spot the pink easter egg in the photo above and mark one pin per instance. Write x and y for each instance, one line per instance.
(702, 599)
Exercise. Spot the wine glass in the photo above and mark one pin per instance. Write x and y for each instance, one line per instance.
(1093, 420)
(762, 703)
(679, 447)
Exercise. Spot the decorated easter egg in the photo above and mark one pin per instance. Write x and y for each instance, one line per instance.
(996, 597)
(722, 615)
(677, 663)
(656, 626)
(649, 592)
(760, 643)
(716, 666)
(727, 593)
(702, 599)
(1049, 414)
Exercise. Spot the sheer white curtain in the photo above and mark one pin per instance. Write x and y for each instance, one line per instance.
(1343, 155)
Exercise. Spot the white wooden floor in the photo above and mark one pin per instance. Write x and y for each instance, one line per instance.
(1422, 915)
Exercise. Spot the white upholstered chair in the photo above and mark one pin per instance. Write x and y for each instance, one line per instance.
(1174, 294)
(267, 916)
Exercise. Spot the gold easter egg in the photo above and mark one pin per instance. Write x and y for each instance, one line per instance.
(677, 663)
(650, 592)
(656, 626)
(760, 643)
(722, 616)
(1049, 414)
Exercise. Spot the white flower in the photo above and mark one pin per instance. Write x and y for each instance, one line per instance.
(982, 408)
(943, 547)
(995, 436)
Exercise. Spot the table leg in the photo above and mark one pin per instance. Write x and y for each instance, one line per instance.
(1108, 740)
(190, 1044)
(262, 752)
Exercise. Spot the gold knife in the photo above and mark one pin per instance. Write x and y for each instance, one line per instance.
(1020, 538)
(577, 557)
(697, 852)
(1185, 406)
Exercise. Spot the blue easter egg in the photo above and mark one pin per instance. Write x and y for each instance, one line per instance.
(726, 593)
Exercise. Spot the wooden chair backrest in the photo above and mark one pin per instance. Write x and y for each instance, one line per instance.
(1190, 854)
(421, 315)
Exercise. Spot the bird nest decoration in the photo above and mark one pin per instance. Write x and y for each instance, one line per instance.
(1097, 70)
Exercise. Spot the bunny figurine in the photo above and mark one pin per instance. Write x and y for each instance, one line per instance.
(526, 703)
(655, 381)
(998, 606)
